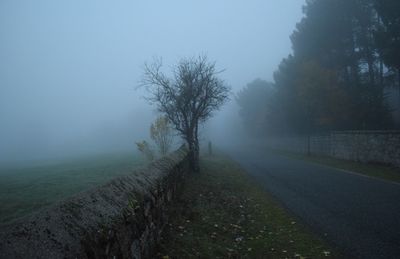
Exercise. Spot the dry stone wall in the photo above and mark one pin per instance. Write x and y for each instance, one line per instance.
(367, 146)
(361, 146)
(122, 219)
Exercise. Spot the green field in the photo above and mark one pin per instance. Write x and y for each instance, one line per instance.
(27, 189)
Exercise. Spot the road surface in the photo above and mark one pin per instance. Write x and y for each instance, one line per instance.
(359, 215)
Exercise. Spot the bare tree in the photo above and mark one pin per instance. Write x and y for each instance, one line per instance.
(188, 98)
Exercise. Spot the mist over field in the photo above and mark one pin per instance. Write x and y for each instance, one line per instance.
(200, 129)
(69, 70)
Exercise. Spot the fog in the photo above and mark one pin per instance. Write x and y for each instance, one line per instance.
(302, 148)
(69, 69)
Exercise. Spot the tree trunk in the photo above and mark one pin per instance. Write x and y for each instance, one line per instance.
(194, 154)
(398, 78)
(381, 73)
(196, 165)
(371, 70)
(398, 81)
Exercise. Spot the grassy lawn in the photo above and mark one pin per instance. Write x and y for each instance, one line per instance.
(222, 213)
(27, 189)
(385, 172)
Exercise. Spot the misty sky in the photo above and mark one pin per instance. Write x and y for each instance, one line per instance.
(68, 69)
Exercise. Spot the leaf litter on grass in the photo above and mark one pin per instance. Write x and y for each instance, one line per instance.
(224, 214)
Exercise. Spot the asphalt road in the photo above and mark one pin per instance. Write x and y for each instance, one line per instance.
(358, 215)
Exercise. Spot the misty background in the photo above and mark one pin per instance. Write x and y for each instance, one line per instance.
(69, 69)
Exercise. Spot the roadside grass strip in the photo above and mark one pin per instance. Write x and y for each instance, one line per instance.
(223, 213)
(380, 171)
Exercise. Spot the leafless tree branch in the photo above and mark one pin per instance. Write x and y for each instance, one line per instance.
(189, 97)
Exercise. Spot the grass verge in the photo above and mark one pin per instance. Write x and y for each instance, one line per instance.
(27, 189)
(385, 172)
(222, 213)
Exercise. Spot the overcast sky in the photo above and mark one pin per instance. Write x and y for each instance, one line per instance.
(68, 69)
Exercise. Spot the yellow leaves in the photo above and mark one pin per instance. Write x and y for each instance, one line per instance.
(239, 239)
(319, 94)
(230, 250)
(145, 149)
(299, 256)
(159, 126)
(161, 133)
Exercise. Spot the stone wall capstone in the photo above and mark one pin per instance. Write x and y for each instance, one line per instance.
(121, 219)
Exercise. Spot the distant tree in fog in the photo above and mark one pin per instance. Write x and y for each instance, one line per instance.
(345, 52)
(188, 98)
(146, 150)
(254, 102)
(323, 102)
(387, 35)
(161, 133)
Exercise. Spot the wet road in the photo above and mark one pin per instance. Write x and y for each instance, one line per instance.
(359, 215)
